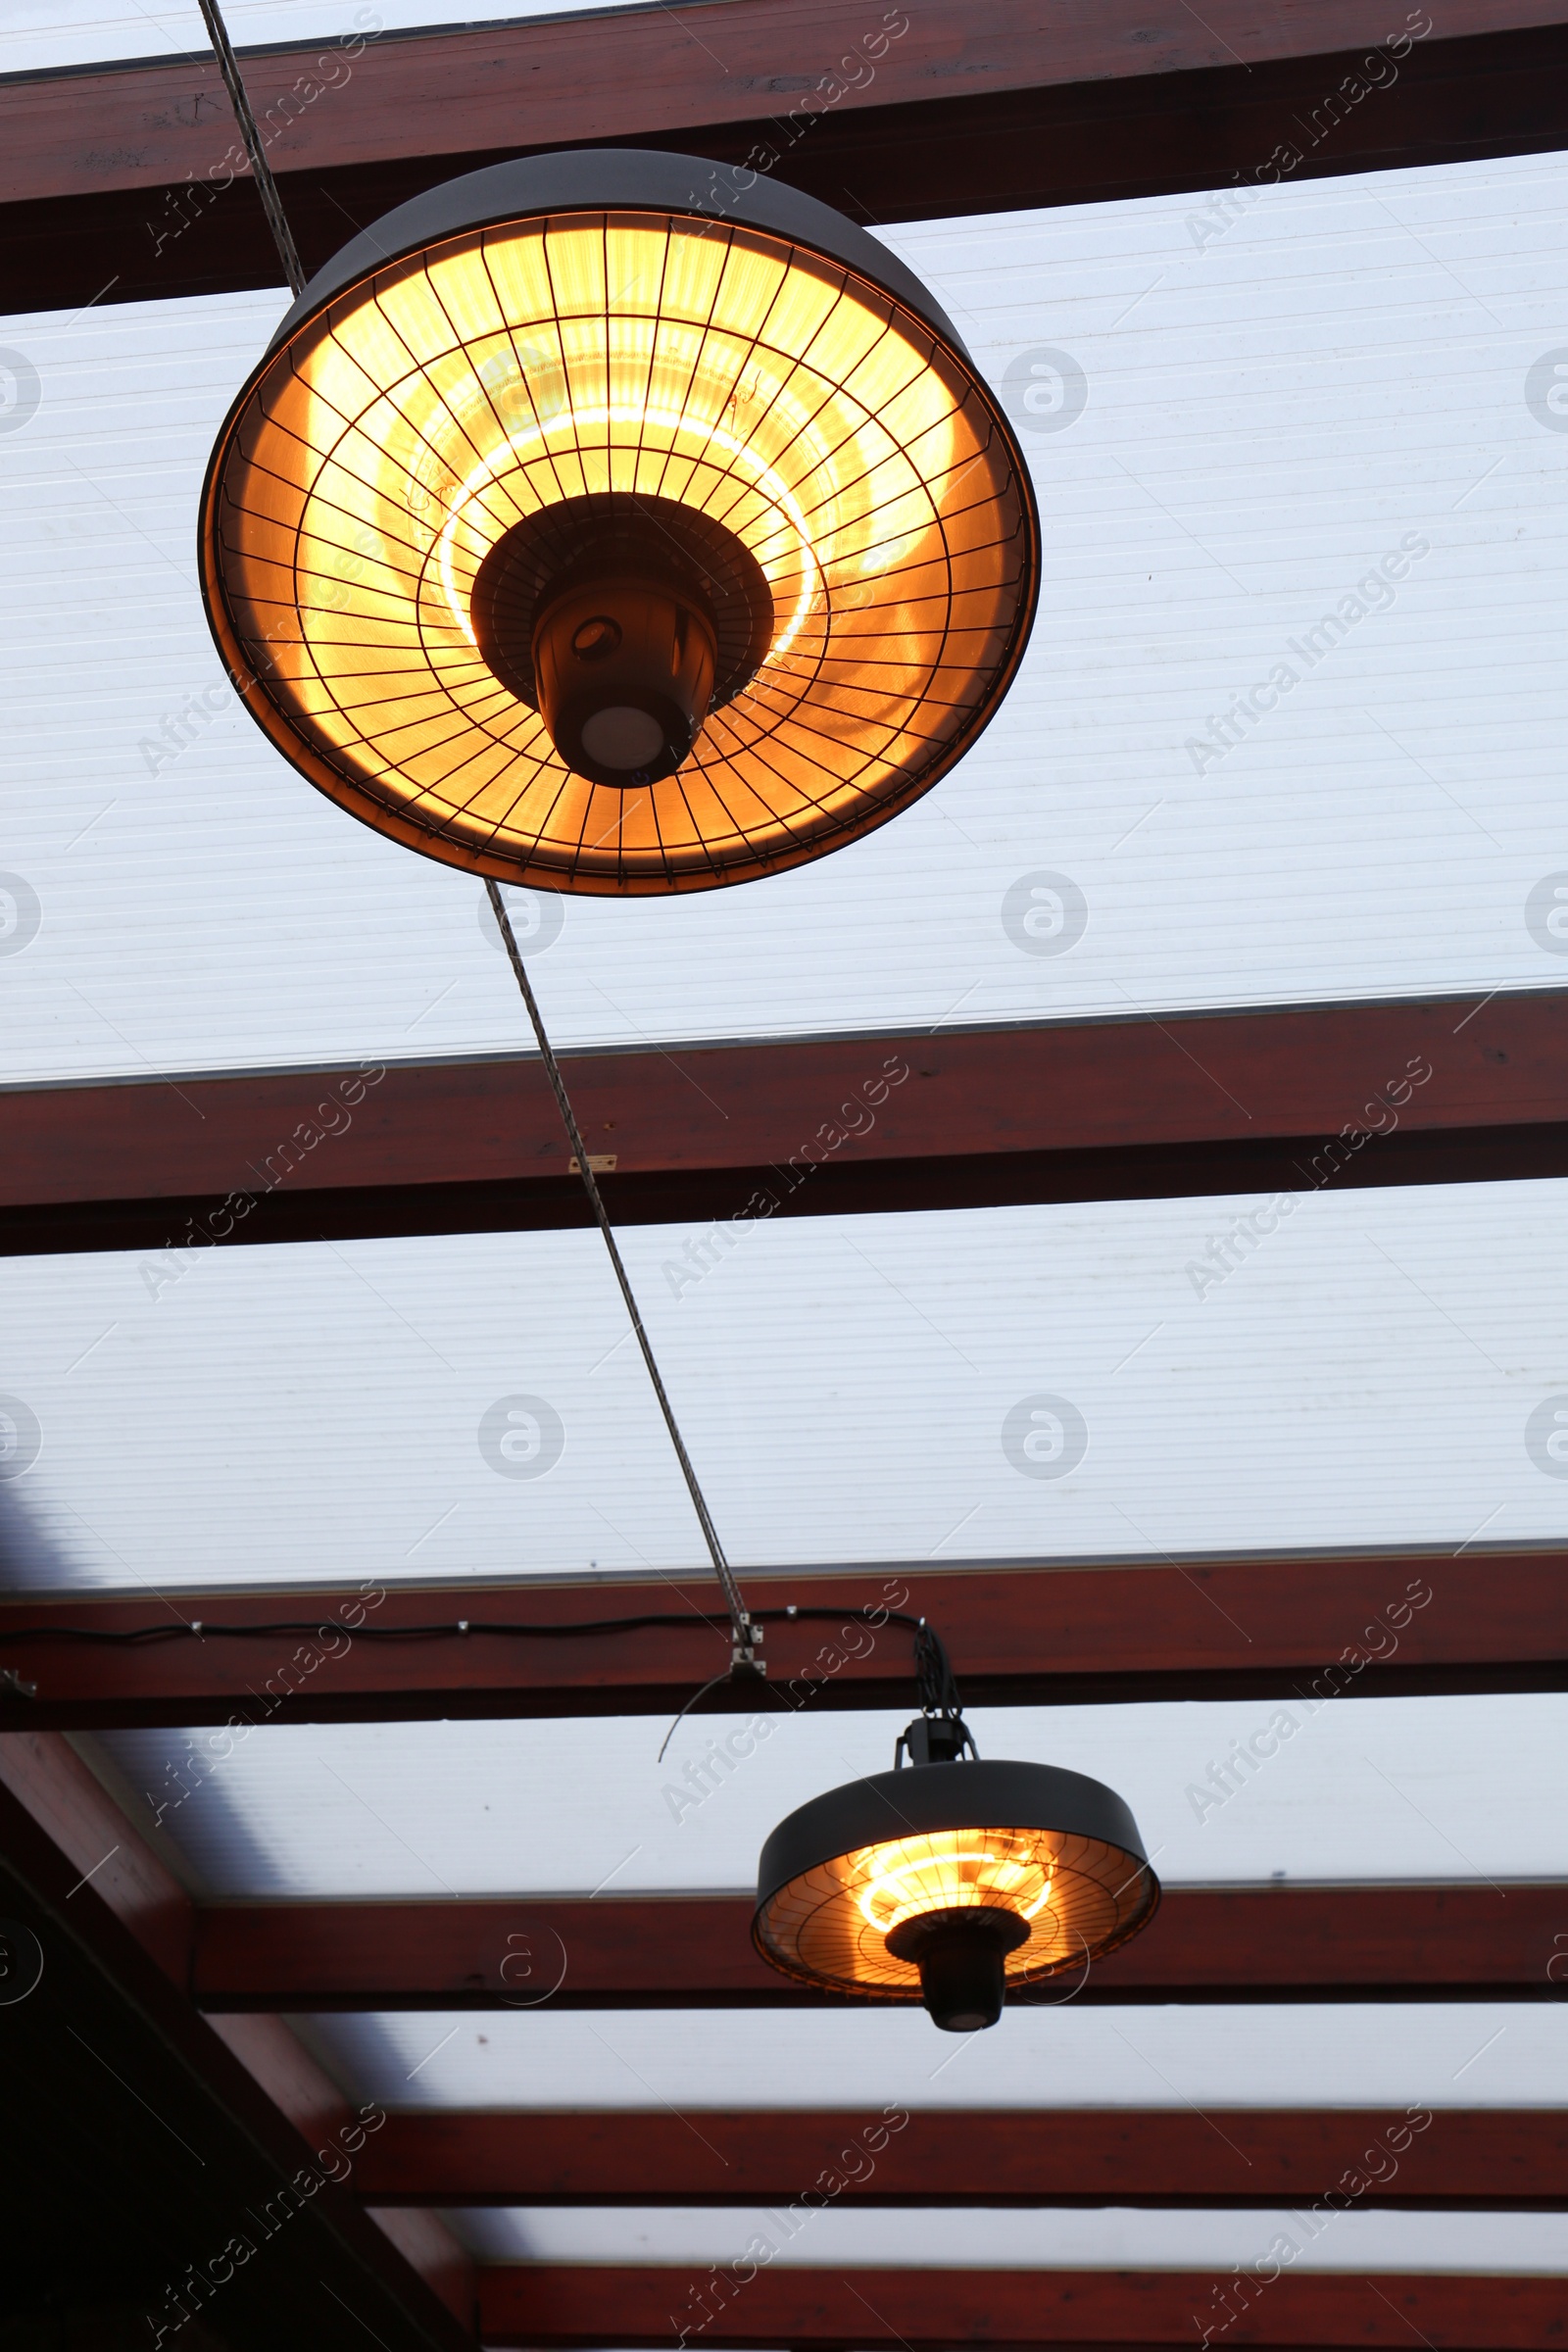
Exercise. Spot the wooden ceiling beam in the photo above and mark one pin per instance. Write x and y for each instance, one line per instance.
(559, 2307)
(184, 2142)
(360, 100)
(120, 177)
(1466, 2160)
(1210, 1946)
(1298, 1099)
(1295, 1632)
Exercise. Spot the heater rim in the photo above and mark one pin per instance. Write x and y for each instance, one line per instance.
(593, 179)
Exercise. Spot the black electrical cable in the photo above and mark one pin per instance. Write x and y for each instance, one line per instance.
(204, 1628)
(934, 1676)
(691, 1706)
(935, 1682)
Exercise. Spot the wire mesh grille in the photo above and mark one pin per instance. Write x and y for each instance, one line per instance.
(377, 460)
(1079, 1896)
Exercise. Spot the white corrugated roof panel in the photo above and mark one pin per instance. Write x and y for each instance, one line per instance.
(1380, 1370)
(1006, 2239)
(1392, 2055)
(1357, 1789)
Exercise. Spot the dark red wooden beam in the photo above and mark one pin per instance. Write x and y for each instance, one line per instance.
(176, 2135)
(1456, 1090)
(1298, 1631)
(981, 105)
(1205, 1945)
(447, 91)
(1458, 2159)
(781, 2307)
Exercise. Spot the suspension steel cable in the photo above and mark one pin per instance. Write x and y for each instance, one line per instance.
(261, 169)
(741, 1625)
(740, 1621)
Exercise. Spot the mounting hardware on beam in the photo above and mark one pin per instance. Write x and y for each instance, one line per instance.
(742, 1658)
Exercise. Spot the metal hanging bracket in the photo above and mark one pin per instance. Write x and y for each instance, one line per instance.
(744, 1661)
(935, 1739)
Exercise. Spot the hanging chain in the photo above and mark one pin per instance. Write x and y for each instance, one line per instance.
(747, 1635)
(261, 169)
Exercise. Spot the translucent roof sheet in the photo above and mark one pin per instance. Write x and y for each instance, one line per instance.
(1375, 1790)
(850, 1389)
(1506, 2054)
(1343, 375)
(1013, 2240)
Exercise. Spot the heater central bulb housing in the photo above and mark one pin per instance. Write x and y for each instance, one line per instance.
(951, 1882)
(623, 621)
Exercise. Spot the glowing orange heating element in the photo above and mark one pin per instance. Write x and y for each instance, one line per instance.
(853, 549)
(1072, 1896)
(951, 1870)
